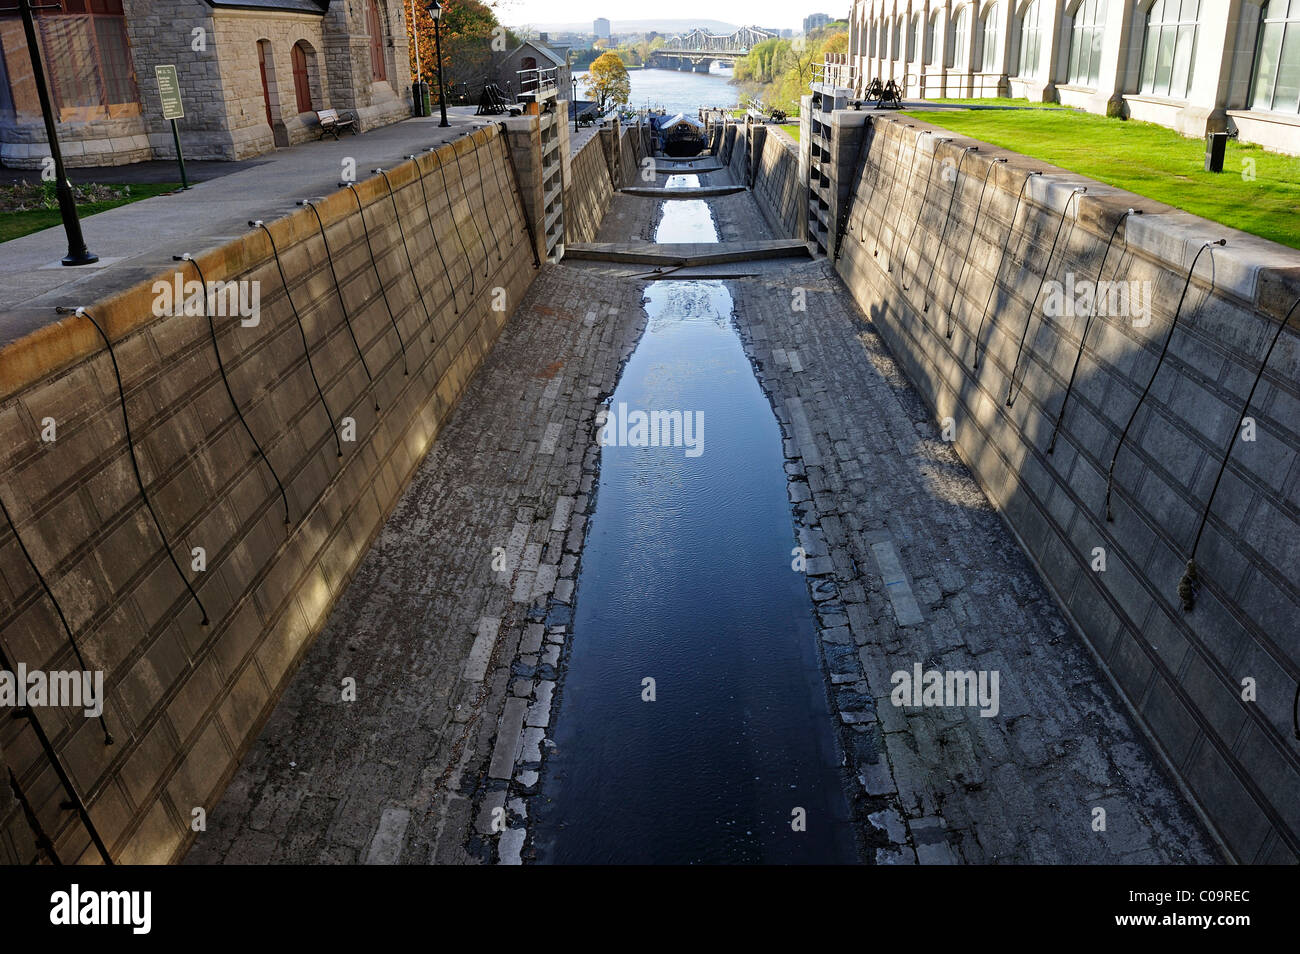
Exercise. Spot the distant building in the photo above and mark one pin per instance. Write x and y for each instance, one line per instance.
(252, 75)
(815, 21)
(600, 27)
(1198, 68)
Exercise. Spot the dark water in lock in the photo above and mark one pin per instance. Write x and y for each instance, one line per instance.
(686, 580)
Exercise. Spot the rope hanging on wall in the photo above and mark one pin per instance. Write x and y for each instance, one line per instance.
(1190, 582)
(221, 366)
(1101, 269)
(437, 246)
(970, 241)
(306, 350)
(997, 276)
(130, 445)
(338, 289)
(482, 195)
(469, 207)
(383, 292)
(911, 174)
(898, 165)
(1110, 475)
(920, 210)
(63, 620)
(952, 198)
(419, 290)
(1012, 391)
(451, 211)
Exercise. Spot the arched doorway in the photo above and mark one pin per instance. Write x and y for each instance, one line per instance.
(303, 58)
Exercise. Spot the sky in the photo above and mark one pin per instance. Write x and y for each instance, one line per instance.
(742, 12)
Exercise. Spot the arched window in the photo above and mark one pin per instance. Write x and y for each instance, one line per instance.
(932, 37)
(992, 40)
(528, 63)
(871, 40)
(896, 44)
(1086, 31)
(1170, 47)
(1031, 36)
(376, 29)
(914, 37)
(1276, 83)
(958, 35)
(301, 77)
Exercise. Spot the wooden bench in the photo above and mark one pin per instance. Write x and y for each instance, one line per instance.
(332, 123)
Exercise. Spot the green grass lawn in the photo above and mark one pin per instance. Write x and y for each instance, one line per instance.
(16, 224)
(793, 130)
(1257, 192)
(996, 101)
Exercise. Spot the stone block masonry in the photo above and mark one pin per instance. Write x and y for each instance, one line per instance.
(1212, 686)
(384, 362)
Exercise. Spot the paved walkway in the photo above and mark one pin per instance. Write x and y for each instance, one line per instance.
(138, 240)
(457, 661)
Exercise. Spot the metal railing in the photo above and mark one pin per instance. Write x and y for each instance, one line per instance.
(836, 70)
(536, 83)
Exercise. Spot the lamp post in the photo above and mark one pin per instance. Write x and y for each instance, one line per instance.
(78, 254)
(435, 12)
(574, 81)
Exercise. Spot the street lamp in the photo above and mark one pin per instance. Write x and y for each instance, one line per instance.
(435, 12)
(78, 254)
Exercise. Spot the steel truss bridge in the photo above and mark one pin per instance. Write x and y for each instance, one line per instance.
(697, 49)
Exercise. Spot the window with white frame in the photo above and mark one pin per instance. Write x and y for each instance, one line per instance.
(1276, 82)
(1086, 30)
(896, 41)
(1169, 49)
(914, 37)
(1031, 37)
(992, 40)
(932, 37)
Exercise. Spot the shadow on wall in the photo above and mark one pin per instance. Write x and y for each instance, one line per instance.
(228, 458)
(1142, 414)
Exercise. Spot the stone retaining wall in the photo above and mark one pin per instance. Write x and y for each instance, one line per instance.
(1184, 673)
(185, 699)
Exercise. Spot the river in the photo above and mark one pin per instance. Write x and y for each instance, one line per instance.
(676, 91)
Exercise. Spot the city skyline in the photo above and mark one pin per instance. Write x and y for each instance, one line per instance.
(761, 13)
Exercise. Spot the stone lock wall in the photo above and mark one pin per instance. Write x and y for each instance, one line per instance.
(184, 700)
(589, 190)
(905, 260)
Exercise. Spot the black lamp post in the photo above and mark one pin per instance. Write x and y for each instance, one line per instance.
(435, 11)
(78, 254)
(574, 81)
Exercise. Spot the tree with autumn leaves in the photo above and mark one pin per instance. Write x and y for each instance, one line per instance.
(608, 82)
(471, 37)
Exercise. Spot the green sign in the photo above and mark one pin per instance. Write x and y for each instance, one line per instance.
(169, 88)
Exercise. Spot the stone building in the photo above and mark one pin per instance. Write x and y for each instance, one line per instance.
(1192, 65)
(252, 75)
(537, 54)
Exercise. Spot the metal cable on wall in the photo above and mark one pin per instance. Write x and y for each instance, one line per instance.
(1190, 582)
(437, 246)
(469, 207)
(451, 212)
(920, 211)
(911, 174)
(997, 275)
(970, 242)
(943, 233)
(130, 445)
(523, 208)
(383, 292)
(482, 194)
(306, 350)
(1060, 415)
(338, 289)
(397, 217)
(889, 199)
(1029, 318)
(221, 366)
(1110, 474)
